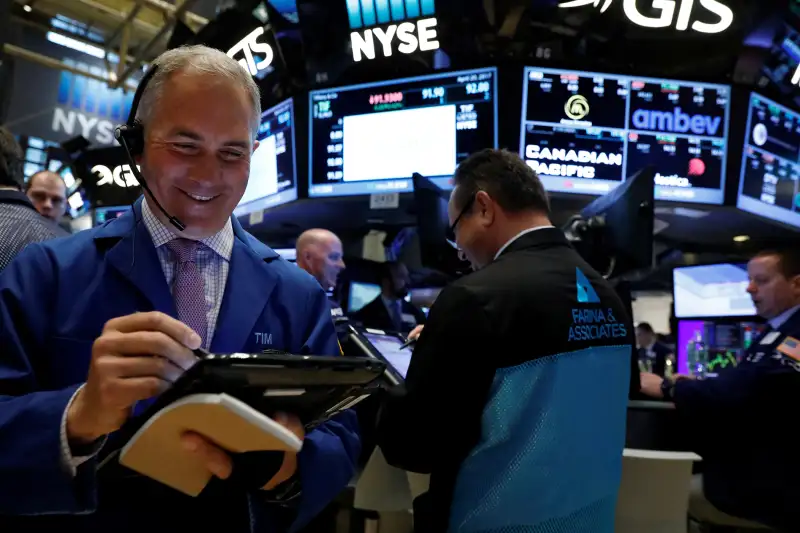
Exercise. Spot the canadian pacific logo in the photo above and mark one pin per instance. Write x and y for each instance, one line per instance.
(667, 13)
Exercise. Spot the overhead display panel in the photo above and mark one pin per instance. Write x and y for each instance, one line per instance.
(273, 167)
(372, 138)
(585, 133)
(770, 181)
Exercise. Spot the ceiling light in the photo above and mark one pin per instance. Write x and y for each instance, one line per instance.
(741, 238)
(27, 8)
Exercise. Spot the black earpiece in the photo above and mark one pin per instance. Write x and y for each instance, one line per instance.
(131, 137)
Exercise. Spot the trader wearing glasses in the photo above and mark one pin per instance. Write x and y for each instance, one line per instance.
(501, 396)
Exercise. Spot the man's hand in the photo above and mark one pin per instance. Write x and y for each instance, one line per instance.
(219, 463)
(651, 385)
(135, 358)
(415, 333)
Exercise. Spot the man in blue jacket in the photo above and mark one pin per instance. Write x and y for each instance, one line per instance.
(742, 422)
(92, 324)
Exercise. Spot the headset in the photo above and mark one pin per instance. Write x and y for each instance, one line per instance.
(131, 137)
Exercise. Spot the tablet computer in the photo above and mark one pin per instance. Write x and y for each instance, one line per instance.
(312, 388)
(387, 348)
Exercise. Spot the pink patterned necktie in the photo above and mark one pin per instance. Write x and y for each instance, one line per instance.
(189, 287)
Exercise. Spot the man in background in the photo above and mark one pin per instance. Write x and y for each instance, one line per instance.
(319, 252)
(20, 224)
(653, 355)
(741, 421)
(48, 193)
(390, 311)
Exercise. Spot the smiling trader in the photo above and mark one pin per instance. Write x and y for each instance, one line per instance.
(92, 324)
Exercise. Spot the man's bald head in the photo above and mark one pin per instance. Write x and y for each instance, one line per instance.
(48, 193)
(319, 252)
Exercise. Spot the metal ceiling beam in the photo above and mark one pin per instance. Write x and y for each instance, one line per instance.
(170, 9)
(46, 61)
(124, 24)
(145, 50)
(119, 15)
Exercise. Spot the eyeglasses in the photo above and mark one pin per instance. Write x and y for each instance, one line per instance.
(451, 231)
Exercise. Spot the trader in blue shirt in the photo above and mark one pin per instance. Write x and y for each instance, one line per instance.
(742, 422)
(92, 324)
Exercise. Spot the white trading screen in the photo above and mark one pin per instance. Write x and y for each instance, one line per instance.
(263, 180)
(399, 143)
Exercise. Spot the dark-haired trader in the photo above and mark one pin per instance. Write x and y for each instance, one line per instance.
(742, 423)
(516, 396)
(93, 324)
(20, 224)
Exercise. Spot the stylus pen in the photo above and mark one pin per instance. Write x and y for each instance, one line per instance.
(408, 343)
(200, 353)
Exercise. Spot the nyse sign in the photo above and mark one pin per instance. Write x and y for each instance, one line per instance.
(121, 176)
(671, 12)
(412, 37)
(250, 45)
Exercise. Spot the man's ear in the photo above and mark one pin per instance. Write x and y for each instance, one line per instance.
(255, 145)
(485, 207)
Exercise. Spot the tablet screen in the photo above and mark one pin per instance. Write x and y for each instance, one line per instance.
(391, 349)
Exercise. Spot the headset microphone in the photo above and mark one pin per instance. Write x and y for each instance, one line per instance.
(131, 137)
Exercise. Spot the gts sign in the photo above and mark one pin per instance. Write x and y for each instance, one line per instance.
(121, 176)
(670, 12)
(250, 45)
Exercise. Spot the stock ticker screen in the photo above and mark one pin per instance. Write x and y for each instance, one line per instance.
(770, 182)
(584, 133)
(273, 167)
(372, 138)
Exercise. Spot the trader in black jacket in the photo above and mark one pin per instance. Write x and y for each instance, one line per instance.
(742, 422)
(390, 311)
(515, 400)
(20, 224)
(653, 355)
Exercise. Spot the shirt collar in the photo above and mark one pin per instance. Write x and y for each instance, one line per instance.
(517, 236)
(781, 319)
(15, 197)
(220, 243)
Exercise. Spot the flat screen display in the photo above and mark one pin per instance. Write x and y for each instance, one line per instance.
(273, 167)
(712, 291)
(104, 214)
(770, 182)
(390, 347)
(361, 294)
(585, 133)
(372, 138)
(706, 348)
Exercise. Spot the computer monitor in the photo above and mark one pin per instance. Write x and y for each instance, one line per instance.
(614, 233)
(585, 132)
(707, 347)
(770, 182)
(361, 294)
(371, 138)
(104, 214)
(709, 291)
(273, 166)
